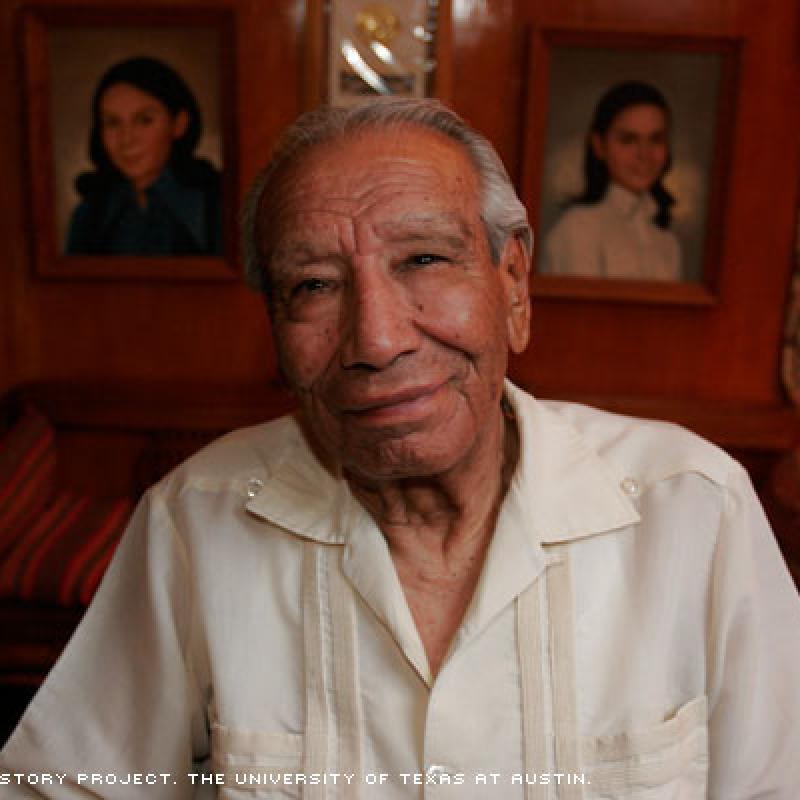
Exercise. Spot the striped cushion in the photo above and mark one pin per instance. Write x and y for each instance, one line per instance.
(27, 468)
(64, 553)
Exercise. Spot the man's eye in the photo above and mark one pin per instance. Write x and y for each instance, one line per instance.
(424, 259)
(310, 286)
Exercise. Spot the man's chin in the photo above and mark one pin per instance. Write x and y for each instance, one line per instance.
(409, 456)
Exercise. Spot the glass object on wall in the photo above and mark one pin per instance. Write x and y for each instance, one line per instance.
(381, 48)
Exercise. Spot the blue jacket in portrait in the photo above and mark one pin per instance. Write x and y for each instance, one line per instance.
(178, 219)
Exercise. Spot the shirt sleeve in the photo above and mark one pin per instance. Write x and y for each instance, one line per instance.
(123, 699)
(754, 653)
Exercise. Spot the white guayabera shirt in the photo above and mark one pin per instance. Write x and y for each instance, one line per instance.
(634, 634)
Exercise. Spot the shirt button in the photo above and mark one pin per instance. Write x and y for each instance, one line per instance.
(254, 486)
(631, 487)
(437, 770)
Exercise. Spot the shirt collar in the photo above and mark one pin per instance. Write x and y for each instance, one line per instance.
(561, 490)
(303, 496)
(564, 488)
(629, 204)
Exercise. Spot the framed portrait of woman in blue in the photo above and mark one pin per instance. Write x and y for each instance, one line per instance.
(625, 164)
(131, 143)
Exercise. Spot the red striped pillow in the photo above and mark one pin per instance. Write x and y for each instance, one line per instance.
(27, 469)
(63, 555)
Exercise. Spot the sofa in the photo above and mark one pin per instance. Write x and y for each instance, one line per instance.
(75, 456)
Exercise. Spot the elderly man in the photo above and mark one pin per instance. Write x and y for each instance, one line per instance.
(427, 584)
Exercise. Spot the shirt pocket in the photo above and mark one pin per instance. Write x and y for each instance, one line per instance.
(256, 765)
(668, 761)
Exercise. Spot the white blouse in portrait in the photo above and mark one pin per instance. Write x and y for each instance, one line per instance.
(614, 238)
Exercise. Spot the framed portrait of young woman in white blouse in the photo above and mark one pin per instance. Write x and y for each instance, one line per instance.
(625, 162)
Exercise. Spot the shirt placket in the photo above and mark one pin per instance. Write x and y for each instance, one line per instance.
(334, 717)
(551, 768)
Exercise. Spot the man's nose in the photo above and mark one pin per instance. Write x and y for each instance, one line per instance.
(379, 322)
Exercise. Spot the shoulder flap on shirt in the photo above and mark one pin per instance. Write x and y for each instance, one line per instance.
(648, 451)
(238, 459)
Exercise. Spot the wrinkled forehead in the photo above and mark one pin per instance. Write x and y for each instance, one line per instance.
(379, 173)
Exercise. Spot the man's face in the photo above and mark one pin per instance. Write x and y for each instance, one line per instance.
(392, 323)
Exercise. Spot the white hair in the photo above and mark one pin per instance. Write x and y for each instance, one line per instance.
(502, 212)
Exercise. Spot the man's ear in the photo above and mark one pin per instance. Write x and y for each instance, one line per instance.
(515, 267)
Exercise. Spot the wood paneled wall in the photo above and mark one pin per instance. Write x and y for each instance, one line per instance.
(680, 362)
(727, 352)
(136, 329)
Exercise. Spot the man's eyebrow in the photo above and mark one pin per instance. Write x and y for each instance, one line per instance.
(451, 228)
(297, 251)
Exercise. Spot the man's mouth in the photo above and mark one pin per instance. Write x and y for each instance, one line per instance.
(402, 404)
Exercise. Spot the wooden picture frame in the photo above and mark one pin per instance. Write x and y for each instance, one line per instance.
(568, 72)
(197, 42)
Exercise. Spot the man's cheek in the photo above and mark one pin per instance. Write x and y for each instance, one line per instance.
(461, 317)
(300, 381)
(304, 357)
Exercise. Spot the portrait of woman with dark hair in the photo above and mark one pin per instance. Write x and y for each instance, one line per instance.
(619, 226)
(148, 194)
